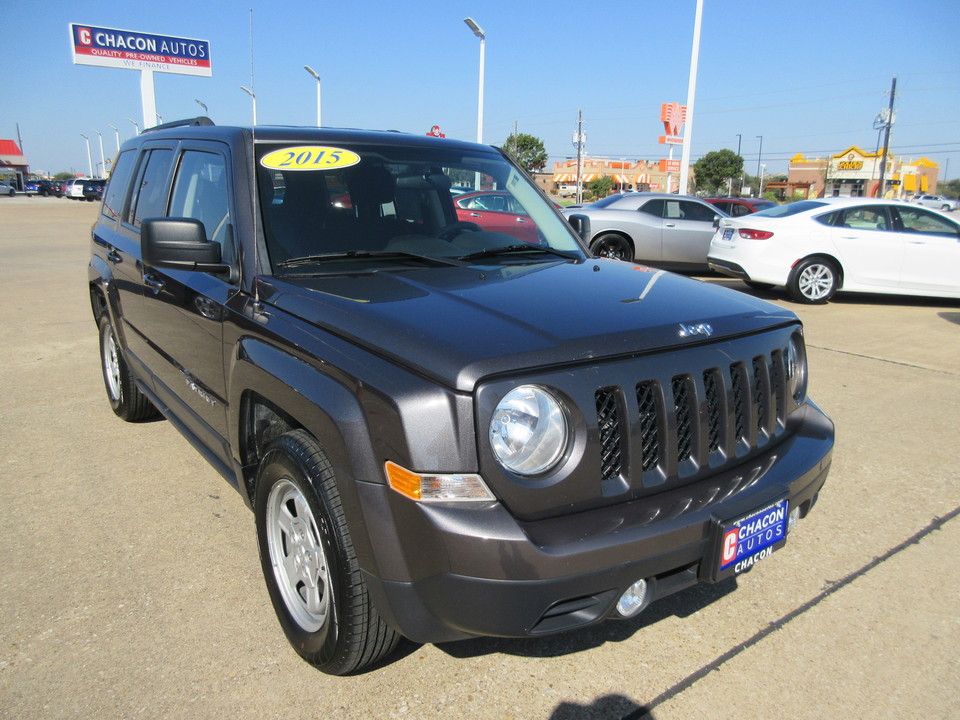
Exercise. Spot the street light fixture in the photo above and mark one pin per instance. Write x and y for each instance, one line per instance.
(478, 31)
(316, 76)
(253, 97)
(135, 124)
(116, 130)
(759, 154)
(103, 162)
(203, 105)
(89, 159)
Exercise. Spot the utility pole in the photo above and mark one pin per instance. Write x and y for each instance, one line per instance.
(886, 139)
(579, 155)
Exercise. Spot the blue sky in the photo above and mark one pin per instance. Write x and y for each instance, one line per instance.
(809, 77)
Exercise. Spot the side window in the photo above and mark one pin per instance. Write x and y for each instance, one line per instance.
(200, 191)
(739, 210)
(150, 191)
(865, 218)
(728, 208)
(692, 211)
(654, 207)
(117, 187)
(922, 221)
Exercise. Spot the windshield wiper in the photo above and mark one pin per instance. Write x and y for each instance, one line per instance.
(366, 255)
(516, 249)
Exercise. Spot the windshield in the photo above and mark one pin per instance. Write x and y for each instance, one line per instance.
(324, 207)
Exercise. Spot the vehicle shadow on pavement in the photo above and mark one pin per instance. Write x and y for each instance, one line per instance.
(682, 604)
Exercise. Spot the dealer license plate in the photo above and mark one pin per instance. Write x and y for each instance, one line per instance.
(750, 539)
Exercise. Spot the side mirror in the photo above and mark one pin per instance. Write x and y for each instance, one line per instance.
(581, 224)
(179, 244)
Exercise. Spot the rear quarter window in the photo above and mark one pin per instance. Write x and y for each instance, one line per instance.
(117, 186)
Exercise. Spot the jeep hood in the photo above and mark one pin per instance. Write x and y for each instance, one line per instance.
(459, 325)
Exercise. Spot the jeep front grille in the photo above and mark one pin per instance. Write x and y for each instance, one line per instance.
(691, 420)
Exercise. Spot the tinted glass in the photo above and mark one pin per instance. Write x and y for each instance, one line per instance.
(200, 191)
(918, 220)
(117, 187)
(792, 208)
(865, 218)
(654, 207)
(150, 194)
(329, 207)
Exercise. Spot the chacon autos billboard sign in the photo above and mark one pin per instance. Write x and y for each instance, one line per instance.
(109, 47)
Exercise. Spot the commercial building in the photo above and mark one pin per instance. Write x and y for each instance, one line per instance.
(13, 165)
(855, 173)
(645, 175)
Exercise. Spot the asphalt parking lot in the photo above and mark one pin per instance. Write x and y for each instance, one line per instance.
(131, 585)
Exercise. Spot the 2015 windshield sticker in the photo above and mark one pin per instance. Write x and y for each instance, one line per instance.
(309, 157)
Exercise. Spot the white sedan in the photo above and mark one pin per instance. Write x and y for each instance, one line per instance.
(814, 248)
(937, 202)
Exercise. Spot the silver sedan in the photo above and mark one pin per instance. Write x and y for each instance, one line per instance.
(664, 230)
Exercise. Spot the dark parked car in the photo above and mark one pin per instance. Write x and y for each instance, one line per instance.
(93, 189)
(49, 187)
(663, 230)
(735, 207)
(442, 432)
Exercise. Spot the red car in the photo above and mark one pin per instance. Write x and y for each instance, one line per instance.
(735, 207)
(498, 212)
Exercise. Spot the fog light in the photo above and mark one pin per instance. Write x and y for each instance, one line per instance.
(792, 518)
(633, 600)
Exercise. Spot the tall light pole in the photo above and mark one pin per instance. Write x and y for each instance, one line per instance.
(760, 190)
(478, 31)
(740, 189)
(691, 96)
(201, 105)
(135, 124)
(253, 97)
(759, 154)
(316, 76)
(89, 159)
(103, 162)
(116, 130)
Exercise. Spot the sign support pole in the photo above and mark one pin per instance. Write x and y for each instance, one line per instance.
(148, 99)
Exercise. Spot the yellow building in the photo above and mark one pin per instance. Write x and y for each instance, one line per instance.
(855, 173)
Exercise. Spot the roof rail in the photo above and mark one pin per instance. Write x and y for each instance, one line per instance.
(201, 120)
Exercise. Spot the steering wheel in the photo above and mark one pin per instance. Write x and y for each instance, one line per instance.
(448, 232)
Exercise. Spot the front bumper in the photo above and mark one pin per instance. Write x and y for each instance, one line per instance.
(447, 572)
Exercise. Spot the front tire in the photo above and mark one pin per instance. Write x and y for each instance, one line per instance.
(613, 246)
(814, 281)
(309, 563)
(125, 397)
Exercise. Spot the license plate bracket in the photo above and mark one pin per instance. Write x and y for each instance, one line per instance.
(746, 540)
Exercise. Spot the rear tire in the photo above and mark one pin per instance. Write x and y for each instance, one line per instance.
(814, 281)
(125, 397)
(309, 563)
(613, 246)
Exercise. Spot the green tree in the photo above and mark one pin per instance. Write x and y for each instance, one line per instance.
(715, 168)
(529, 151)
(600, 187)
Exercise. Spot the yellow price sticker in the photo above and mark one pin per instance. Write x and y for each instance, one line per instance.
(309, 157)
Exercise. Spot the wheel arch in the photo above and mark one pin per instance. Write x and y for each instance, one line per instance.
(819, 256)
(274, 392)
(613, 231)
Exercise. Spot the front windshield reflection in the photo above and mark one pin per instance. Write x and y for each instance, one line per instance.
(402, 204)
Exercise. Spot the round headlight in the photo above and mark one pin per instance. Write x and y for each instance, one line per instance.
(528, 431)
(797, 367)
